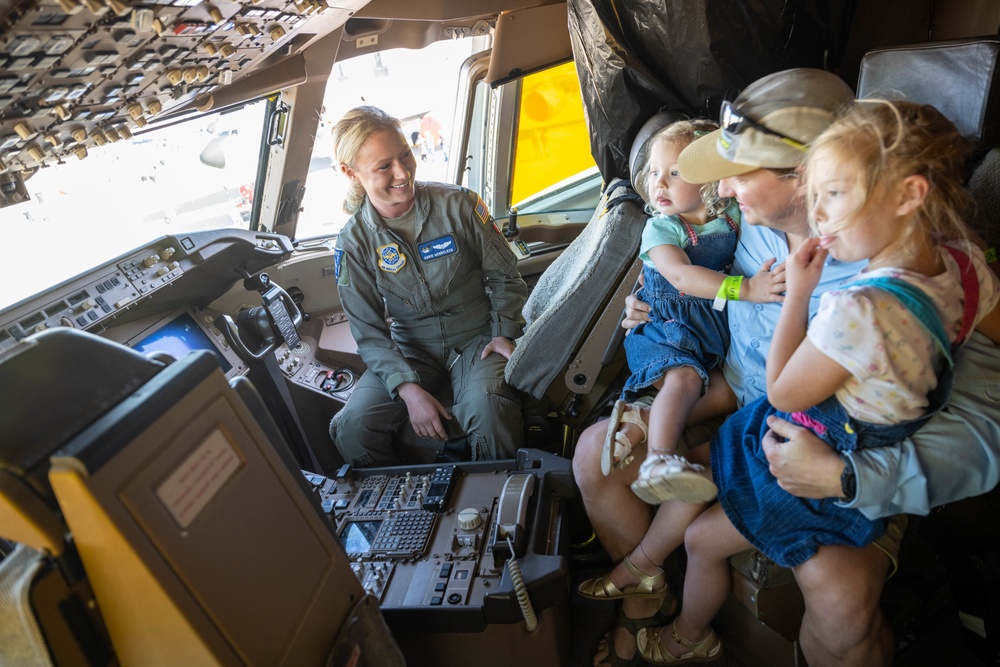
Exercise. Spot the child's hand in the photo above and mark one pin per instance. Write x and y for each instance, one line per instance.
(804, 267)
(767, 285)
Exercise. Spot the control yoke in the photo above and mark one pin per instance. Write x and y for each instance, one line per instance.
(254, 336)
(262, 328)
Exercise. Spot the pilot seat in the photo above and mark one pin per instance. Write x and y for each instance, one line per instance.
(158, 522)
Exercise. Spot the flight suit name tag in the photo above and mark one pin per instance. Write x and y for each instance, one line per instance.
(437, 248)
(390, 259)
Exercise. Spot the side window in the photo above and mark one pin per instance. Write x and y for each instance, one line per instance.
(551, 144)
(528, 147)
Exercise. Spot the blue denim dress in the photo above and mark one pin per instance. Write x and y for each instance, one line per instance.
(683, 330)
(788, 529)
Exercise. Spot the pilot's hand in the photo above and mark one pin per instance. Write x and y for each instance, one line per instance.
(767, 285)
(424, 410)
(501, 345)
(636, 312)
(804, 465)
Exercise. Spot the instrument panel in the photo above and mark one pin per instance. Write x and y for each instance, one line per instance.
(148, 300)
(167, 273)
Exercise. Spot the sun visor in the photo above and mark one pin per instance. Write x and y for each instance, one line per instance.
(529, 40)
(635, 58)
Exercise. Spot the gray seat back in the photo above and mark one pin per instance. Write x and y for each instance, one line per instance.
(959, 78)
(574, 291)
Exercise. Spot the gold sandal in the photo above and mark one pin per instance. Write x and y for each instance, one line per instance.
(649, 586)
(616, 444)
(648, 640)
(633, 626)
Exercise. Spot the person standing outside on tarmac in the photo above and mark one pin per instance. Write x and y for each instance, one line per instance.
(430, 257)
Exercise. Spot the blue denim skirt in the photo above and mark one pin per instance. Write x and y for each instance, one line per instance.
(682, 331)
(785, 528)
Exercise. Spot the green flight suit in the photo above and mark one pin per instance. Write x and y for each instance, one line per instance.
(447, 294)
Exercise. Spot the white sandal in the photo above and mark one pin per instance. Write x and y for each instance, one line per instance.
(616, 444)
(664, 476)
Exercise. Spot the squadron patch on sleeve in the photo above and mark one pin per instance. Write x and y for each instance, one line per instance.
(340, 269)
(436, 248)
(390, 259)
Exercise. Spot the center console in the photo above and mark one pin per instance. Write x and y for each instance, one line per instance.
(469, 561)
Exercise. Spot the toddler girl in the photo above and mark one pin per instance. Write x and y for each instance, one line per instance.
(687, 246)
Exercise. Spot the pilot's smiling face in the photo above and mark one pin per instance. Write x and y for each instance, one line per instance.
(385, 167)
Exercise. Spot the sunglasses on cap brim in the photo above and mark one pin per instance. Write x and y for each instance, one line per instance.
(735, 122)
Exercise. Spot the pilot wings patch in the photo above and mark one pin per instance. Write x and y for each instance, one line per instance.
(437, 248)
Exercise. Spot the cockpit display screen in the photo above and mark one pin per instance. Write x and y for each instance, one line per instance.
(178, 337)
(357, 537)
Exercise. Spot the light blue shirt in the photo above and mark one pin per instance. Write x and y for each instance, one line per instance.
(960, 445)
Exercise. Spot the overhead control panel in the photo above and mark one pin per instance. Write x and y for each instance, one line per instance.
(78, 74)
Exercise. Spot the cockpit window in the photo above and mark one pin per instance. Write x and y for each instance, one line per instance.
(198, 174)
(416, 86)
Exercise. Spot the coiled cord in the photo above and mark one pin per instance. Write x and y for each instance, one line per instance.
(521, 590)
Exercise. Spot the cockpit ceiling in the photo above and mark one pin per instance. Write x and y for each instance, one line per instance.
(77, 74)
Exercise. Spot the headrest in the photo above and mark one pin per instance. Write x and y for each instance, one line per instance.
(637, 155)
(65, 379)
(957, 77)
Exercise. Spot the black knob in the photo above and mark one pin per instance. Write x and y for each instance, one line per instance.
(512, 229)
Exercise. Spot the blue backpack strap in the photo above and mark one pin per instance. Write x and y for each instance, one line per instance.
(918, 303)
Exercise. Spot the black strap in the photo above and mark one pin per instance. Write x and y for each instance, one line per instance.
(629, 195)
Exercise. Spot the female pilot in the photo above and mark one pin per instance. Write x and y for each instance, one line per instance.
(433, 296)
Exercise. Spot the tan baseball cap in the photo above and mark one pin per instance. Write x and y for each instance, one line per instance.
(770, 125)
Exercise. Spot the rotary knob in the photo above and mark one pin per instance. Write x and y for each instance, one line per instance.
(469, 519)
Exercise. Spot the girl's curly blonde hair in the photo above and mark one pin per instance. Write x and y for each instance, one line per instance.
(681, 133)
